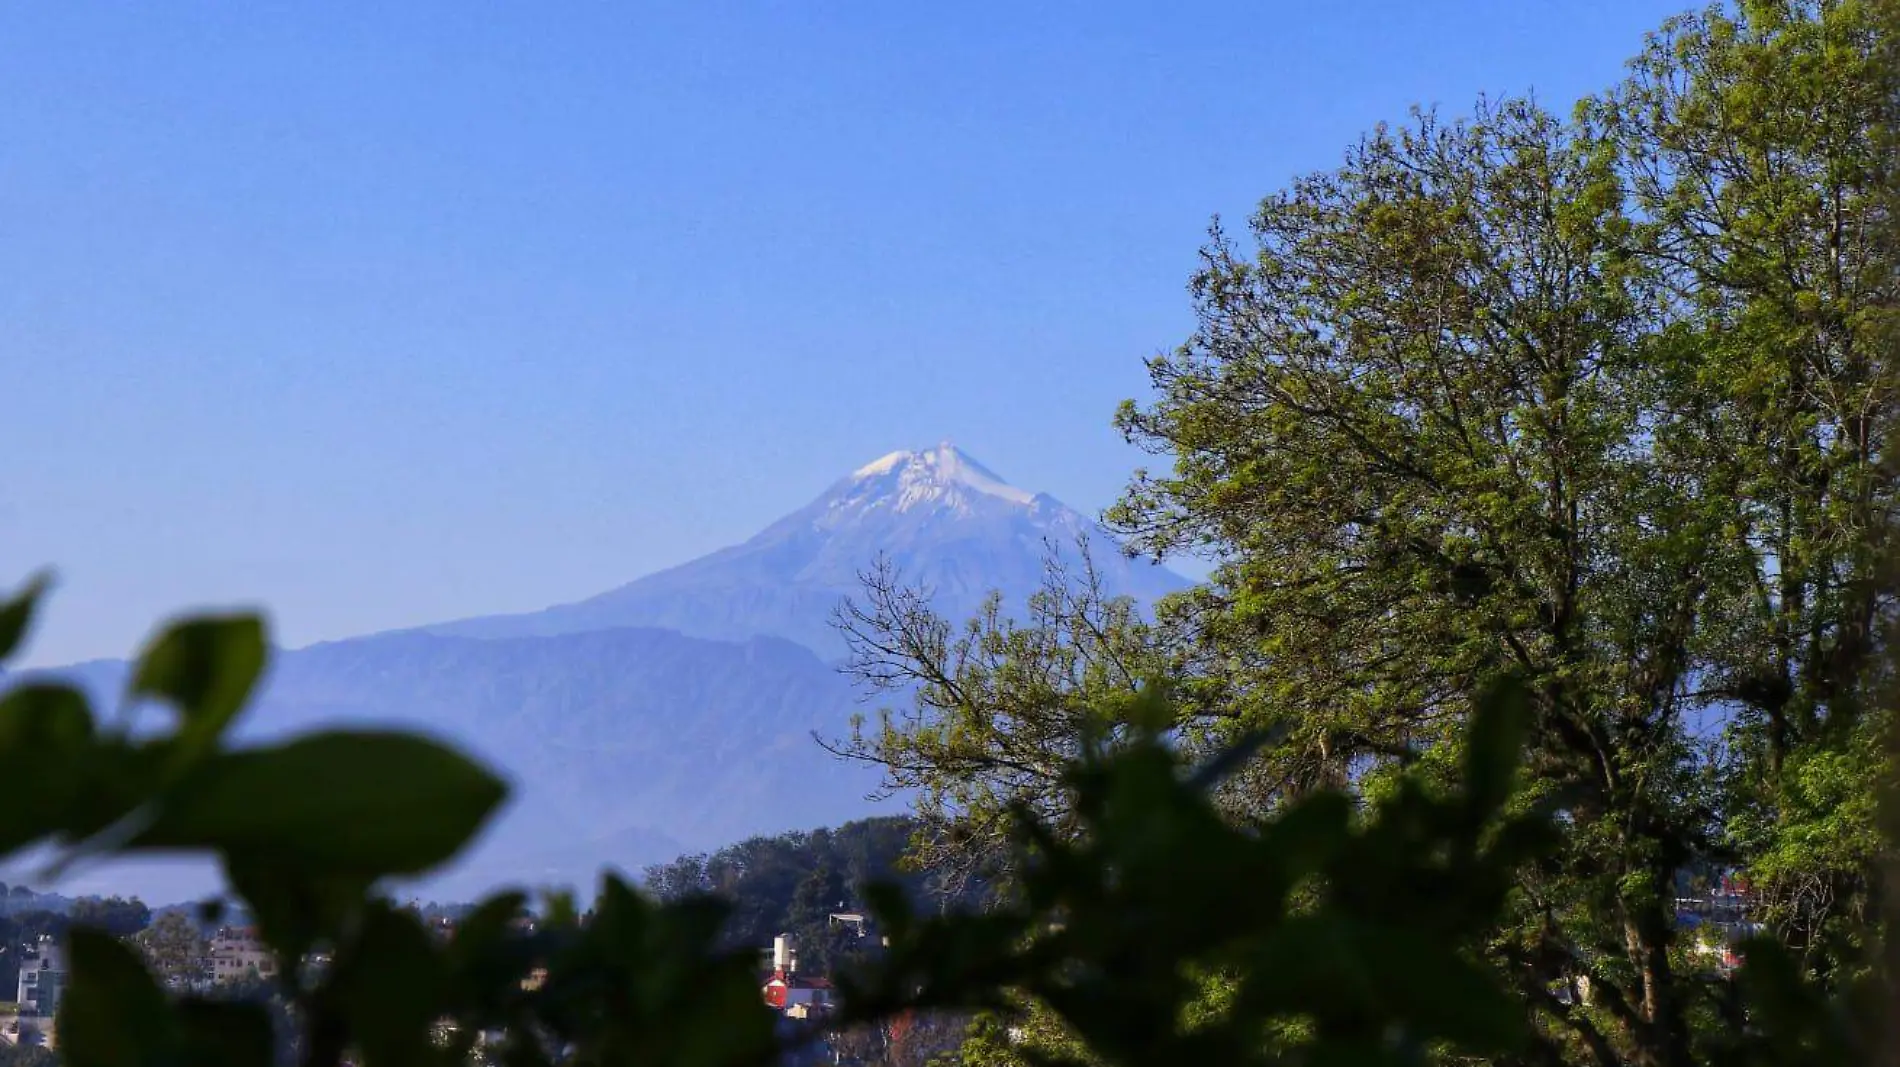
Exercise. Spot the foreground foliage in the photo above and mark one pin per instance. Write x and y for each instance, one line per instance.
(1120, 930)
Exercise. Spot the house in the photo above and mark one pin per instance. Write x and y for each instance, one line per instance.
(786, 992)
(42, 979)
(237, 954)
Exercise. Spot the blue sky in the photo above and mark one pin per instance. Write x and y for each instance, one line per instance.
(381, 314)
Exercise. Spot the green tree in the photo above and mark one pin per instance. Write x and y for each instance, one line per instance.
(793, 882)
(683, 877)
(1421, 422)
(819, 894)
(114, 915)
(1598, 400)
(38, 923)
(999, 704)
(174, 948)
(1601, 401)
(1758, 150)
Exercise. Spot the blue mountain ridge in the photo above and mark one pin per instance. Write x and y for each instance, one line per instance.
(675, 713)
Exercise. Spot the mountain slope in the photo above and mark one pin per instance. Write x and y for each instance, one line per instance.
(944, 520)
(677, 712)
(625, 746)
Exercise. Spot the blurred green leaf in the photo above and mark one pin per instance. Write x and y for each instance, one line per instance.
(16, 613)
(206, 668)
(390, 984)
(487, 959)
(113, 1013)
(1149, 710)
(293, 907)
(219, 1033)
(45, 719)
(45, 728)
(365, 803)
(1494, 743)
(113, 779)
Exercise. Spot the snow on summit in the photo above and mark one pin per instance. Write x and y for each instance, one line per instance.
(937, 476)
(883, 464)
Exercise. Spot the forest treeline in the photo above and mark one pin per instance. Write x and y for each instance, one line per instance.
(794, 883)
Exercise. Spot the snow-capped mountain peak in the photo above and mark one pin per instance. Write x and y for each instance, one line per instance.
(945, 521)
(942, 476)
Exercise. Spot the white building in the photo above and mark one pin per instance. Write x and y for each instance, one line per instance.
(238, 954)
(42, 979)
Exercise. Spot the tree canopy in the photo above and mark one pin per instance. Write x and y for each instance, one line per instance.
(1603, 400)
(793, 883)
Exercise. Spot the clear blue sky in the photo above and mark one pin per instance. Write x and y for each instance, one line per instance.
(382, 314)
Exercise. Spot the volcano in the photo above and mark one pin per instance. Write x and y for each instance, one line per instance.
(945, 521)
